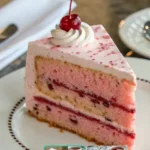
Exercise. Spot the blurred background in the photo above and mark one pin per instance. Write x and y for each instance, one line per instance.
(114, 15)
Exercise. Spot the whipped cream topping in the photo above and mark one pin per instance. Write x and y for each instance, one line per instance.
(73, 37)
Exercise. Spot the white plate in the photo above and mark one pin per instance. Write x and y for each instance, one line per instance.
(17, 129)
(130, 32)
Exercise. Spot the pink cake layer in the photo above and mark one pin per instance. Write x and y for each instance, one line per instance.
(79, 123)
(97, 106)
(96, 83)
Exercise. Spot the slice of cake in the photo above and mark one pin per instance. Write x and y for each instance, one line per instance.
(79, 81)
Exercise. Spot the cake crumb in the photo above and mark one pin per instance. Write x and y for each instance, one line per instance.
(50, 125)
(39, 119)
(61, 130)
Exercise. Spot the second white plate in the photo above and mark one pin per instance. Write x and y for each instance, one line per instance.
(130, 32)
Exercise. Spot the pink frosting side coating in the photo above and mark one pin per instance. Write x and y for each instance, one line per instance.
(102, 51)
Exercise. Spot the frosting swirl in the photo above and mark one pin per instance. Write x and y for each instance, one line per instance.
(73, 37)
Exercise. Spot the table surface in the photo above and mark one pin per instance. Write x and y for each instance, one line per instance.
(106, 12)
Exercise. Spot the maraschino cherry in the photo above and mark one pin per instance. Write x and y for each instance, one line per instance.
(71, 21)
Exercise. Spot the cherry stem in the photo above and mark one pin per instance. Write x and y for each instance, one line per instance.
(70, 9)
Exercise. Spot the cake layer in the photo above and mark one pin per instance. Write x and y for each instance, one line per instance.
(84, 125)
(90, 81)
(99, 107)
